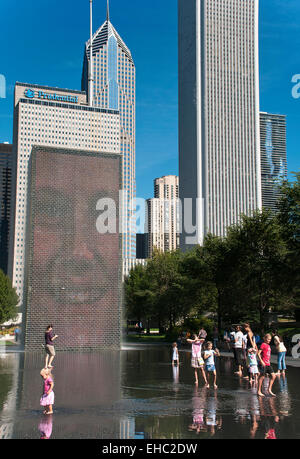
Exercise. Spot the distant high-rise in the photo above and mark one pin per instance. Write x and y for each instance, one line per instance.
(163, 215)
(273, 157)
(5, 204)
(114, 88)
(219, 135)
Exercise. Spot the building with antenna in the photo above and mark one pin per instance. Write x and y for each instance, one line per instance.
(109, 73)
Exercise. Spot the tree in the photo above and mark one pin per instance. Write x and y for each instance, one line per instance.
(8, 299)
(289, 220)
(167, 286)
(138, 295)
(258, 278)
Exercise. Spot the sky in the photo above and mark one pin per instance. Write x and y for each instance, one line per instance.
(42, 42)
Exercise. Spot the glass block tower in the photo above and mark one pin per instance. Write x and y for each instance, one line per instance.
(219, 132)
(114, 88)
(273, 157)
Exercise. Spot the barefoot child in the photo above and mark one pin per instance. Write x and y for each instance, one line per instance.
(197, 362)
(209, 357)
(175, 355)
(47, 399)
(264, 355)
(253, 366)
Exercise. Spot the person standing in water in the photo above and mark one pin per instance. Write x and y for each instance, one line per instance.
(197, 361)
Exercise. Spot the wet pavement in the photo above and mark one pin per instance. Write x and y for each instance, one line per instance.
(136, 393)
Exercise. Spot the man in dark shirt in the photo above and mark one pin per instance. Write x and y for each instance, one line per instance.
(50, 351)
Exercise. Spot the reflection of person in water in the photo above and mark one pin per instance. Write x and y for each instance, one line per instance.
(198, 403)
(75, 268)
(269, 417)
(45, 427)
(213, 421)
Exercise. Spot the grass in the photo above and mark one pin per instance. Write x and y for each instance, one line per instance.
(142, 338)
(8, 343)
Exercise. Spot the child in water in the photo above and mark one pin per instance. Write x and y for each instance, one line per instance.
(253, 365)
(175, 354)
(47, 399)
(209, 357)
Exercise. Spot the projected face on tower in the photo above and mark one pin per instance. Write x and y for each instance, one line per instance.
(74, 268)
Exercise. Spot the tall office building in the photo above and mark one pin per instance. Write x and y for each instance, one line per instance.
(114, 88)
(163, 215)
(273, 157)
(219, 141)
(45, 116)
(5, 197)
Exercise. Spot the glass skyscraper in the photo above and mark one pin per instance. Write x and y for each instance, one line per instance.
(114, 88)
(273, 157)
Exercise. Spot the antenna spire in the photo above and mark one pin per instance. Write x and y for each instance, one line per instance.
(107, 11)
(91, 71)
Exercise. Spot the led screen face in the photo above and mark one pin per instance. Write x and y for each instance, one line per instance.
(74, 271)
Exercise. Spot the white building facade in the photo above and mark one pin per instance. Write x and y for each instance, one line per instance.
(50, 117)
(219, 132)
(163, 212)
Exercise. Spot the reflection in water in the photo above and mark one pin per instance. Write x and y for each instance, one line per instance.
(45, 426)
(175, 369)
(97, 396)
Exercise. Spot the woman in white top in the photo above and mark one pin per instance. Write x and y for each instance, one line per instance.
(281, 350)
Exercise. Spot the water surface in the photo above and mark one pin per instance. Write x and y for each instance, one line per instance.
(136, 393)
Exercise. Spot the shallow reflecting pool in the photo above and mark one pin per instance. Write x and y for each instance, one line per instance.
(136, 393)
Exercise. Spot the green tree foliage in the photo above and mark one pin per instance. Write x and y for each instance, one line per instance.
(289, 221)
(8, 299)
(241, 277)
(259, 253)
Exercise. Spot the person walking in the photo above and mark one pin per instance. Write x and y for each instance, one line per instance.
(17, 334)
(47, 398)
(49, 346)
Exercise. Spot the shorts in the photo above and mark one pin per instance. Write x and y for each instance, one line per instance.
(239, 356)
(253, 369)
(210, 367)
(267, 370)
(197, 362)
(50, 350)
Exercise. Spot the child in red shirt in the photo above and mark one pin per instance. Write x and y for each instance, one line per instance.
(264, 355)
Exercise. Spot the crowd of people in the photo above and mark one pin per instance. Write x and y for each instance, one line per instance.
(252, 356)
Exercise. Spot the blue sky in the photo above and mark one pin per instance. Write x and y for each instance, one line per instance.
(42, 42)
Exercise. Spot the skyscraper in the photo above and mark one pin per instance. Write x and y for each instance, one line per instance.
(219, 135)
(114, 88)
(163, 215)
(273, 157)
(5, 204)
